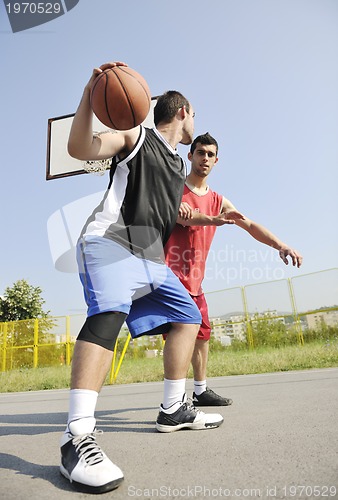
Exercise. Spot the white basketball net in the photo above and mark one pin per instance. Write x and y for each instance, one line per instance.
(97, 167)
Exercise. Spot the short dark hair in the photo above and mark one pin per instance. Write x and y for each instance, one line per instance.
(167, 106)
(205, 139)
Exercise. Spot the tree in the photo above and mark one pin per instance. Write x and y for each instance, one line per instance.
(22, 301)
(20, 308)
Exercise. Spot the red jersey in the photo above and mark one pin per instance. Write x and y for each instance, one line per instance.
(187, 249)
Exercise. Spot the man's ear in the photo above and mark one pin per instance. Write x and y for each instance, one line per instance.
(189, 156)
(182, 113)
(216, 160)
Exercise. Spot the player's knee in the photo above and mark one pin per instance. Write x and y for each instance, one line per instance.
(102, 329)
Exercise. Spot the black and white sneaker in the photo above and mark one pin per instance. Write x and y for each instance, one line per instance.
(183, 415)
(210, 398)
(83, 462)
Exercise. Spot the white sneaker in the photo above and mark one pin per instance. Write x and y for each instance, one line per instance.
(183, 415)
(83, 462)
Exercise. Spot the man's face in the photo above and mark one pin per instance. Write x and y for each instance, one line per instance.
(203, 159)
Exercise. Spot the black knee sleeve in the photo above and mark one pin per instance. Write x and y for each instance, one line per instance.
(102, 329)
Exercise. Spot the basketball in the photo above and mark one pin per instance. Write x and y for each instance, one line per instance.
(120, 98)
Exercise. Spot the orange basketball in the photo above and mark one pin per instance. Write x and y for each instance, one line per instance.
(120, 98)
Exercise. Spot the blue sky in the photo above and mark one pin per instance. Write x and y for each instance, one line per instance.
(262, 76)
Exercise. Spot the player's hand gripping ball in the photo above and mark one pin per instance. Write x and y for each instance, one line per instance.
(120, 98)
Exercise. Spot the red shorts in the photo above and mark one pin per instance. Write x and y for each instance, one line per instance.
(205, 328)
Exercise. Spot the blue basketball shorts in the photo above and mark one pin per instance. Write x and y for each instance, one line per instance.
(149, 293)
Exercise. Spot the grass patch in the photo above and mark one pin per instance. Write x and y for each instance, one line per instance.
(221, 363)
(35, 379)
(267, 360)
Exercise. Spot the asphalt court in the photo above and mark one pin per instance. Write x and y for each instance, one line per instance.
(279, 440)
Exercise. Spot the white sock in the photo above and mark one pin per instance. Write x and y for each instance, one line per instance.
(200, 386)
(174, 391)
(82, 404)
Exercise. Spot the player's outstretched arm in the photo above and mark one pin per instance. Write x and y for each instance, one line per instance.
(263, 235)
(82, 143)
(189, 217)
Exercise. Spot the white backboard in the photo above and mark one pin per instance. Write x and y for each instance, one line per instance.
(59, 163)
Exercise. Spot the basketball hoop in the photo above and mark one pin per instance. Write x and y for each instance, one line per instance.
(60, 164)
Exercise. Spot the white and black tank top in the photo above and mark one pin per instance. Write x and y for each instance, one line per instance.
(140, 207)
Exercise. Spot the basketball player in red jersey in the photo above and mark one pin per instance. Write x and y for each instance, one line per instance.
(202, 211)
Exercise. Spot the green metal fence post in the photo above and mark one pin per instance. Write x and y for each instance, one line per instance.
(122, 356)
(247, 319)
(35, 343)
(67, 340)
(112, 368)
(295, 313)
(4, 353)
